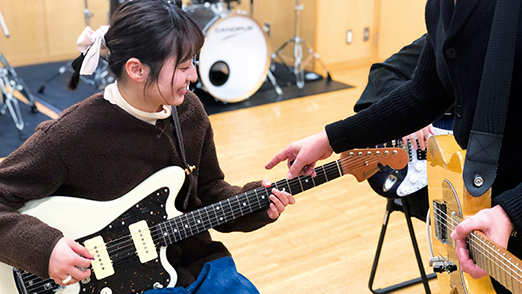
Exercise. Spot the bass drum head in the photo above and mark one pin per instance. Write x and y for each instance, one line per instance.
(234, 61)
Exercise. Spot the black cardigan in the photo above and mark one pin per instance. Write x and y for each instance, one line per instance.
(448, 73)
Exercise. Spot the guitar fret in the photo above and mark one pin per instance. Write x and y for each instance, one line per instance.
(212, 215)
(230, 211)
(181, 227)
(257, 197)
(307, 182)
(171, 230)
(220, 216)
(289, 188)
(254, 198)
(325, 174)
(177, 229)
(339, 168)
(295, 185)
(300, 183)
(247, 203)
(240, 204)
(197, 222)
(165, 234)
(208, 216)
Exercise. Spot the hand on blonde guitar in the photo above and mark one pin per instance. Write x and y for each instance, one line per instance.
(69, 258)
(494, 223)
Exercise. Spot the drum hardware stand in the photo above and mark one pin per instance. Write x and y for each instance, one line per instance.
(9, 82)
(9, 102)
(100, 78)
(14, 80)
(299, 64)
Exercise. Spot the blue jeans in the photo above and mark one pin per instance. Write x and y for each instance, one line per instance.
(219, 276)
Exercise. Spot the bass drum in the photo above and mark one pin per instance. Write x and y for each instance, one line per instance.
(234, 61)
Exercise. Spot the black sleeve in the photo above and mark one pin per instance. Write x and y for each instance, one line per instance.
(392, 73)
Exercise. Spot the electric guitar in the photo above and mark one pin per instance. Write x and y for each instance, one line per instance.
(391, 182)
(129, 235)
(449, 204)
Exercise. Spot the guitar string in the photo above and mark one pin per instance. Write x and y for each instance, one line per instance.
(477, 241)
(358, 161)
(342, 160)
(498, 260)
(356, 158)
(129, 248)
(225, 215)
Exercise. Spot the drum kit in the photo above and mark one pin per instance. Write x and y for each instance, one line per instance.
(236, 58)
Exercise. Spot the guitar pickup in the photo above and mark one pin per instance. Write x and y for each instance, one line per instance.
(143, 241)
(102, 264)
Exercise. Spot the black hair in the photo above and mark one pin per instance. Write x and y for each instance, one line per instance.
(151, 31)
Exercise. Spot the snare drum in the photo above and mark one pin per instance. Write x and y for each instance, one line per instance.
(234, 61)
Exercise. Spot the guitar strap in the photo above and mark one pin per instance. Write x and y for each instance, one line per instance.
(485, 140)
(188, 168)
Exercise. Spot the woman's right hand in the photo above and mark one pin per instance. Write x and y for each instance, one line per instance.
(69, 258)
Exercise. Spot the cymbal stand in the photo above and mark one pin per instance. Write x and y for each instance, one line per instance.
(8, 101)
(100, 78)
(10, 73)
(299, 64)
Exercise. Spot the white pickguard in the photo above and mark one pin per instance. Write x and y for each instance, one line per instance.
(78, 218)
(417, 177)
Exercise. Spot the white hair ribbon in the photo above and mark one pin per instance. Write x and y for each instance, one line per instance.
(90, 43)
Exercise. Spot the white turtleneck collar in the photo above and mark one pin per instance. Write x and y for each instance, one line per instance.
(113, 95)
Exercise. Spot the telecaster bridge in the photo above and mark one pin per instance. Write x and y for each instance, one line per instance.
(441, 265)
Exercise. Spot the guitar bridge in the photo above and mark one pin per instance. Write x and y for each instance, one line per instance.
(441, 265)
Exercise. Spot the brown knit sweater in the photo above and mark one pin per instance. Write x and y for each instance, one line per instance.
(96, 150)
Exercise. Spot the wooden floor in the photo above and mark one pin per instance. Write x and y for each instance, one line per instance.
(326, 242)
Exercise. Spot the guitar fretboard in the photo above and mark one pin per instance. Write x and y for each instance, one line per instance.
(202, 219)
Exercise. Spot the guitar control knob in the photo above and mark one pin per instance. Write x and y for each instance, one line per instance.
(414, 179)
(405, 190)
(419, 166)
(157, 285)
(106, 290)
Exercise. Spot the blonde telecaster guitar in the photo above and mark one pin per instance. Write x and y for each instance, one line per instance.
(449, 204)
(129, 235)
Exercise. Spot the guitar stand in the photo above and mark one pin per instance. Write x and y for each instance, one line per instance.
(399, 204)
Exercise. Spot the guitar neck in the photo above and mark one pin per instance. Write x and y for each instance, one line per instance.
(495, 260)
(224, 211)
